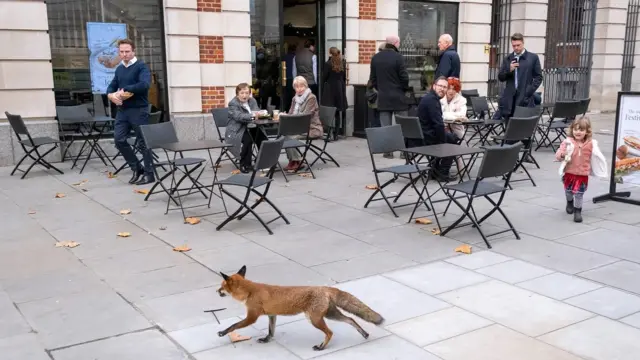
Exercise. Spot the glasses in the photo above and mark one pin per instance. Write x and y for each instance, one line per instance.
(441, 86)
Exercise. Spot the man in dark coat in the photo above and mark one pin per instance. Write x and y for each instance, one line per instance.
(522, 73)
(449, 63)
(390, 79)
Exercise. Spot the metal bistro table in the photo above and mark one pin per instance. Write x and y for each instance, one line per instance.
(185, 146)
(441, 151)
(92, 128)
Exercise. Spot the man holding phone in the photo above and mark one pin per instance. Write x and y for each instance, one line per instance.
(522, 73)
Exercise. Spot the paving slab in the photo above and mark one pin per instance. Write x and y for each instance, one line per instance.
(478, 260)
(608, 302)
(622, 274)
(559, 286)
(363, 266)
(436, 278)
(633, 320)
(23, 347)
(204, 337)
(618, 244)
(514, 271)
(11, 322)
(389, 347)
(247, 350)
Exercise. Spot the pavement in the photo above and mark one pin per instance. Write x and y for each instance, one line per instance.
(563, 291)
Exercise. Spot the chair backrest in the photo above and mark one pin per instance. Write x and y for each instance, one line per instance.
(584, 106)
(155, 135)
(385, 139)
(469, 93)
(155, 117)
(499, 160)
(269, 153)
(521, 128)
(17, 124)
(410, 126)
(480, 105)
(566, 109)
(328, 116)
(220, 119)
(99, 106)
(523, 112)
(72, 114)
(294, 124)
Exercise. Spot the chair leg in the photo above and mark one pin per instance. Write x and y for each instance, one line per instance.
(497, 207)
(466, 213)
(243, 205)
(380, 190)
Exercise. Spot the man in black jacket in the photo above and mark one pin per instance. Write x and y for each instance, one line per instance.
(449, 63)
(432, 124)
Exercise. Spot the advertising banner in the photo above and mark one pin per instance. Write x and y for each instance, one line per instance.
(102, 39)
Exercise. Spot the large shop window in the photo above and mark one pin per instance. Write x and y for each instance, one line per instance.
(84, 55)
(420, 25)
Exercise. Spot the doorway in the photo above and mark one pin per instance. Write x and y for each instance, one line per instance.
(281, 28)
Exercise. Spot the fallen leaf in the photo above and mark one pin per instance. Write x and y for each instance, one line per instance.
(125, 212)
(372, 187)
(192, 220)
(263, 175)
(257, 199)
(69, 244)
(141, 191)
(435, 231)
(124, 234)
(111, 175)
(183, 248)
(465, 249)
(423, 221)
(163, 228)
(217, 166)
(81, 183)
(235, 172)
(305, 175)
(32, 212)
(60, 195)
(235, 337)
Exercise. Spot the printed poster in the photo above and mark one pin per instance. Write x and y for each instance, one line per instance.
(627, 168)
(102, 39)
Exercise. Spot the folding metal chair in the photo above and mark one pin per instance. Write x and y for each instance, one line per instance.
(221, 120)
(154, 118)
(293, 125)
(525, 112)
(328, 119)
(268, 157)
(497, 161)
(155, 135)
(564, 112)
(30, 145)
(70, 126)
(480, 109)
(468, 94)
(412, 133)
(388, 139)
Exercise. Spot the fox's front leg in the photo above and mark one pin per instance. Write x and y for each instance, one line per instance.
(272, 330)
(249, 320)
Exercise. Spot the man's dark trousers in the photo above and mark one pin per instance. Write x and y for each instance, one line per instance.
(127, 119)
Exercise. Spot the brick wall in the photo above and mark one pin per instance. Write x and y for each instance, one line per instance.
(210, 5)
(366, 49)
(367, 9)
(211, 50)
(212, 97)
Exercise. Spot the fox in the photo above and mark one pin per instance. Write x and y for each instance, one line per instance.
(316, 302)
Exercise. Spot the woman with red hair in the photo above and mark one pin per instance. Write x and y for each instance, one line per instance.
(454, 107)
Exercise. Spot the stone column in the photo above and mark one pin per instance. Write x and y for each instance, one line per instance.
(608, 47)
(474, 33)
(635, 74)
(529, 17)
(26, 75)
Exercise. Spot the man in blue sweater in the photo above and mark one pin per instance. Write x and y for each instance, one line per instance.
(132, 76)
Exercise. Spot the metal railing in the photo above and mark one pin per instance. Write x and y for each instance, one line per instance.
(629, 52)
(499, 45)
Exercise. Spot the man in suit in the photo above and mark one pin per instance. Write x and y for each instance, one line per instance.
(449, 63)
(522, 73)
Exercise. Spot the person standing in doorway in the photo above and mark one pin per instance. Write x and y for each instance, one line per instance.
(334, 94)
(289, 63)
(132, 76)
(389, 77)
(305, 64)
(449, 62)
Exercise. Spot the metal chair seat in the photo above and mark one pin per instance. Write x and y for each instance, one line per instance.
(244, 180)
(484, 188)
(38, 141)
(293, 143)
(188, 161)
(404, 169)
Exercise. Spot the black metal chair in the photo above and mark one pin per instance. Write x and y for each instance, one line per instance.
(480, 109)
(412, 133)
(388, 139)
(268, 157)
(154, 118)
(70, 127)
(296, 125)
(30, 146)
(497, 161)
(328, 118)
(564, 112)
(221, 120)
(468, 94)
(155, 135)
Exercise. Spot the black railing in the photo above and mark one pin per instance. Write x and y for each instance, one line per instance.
(499, 43)
(629, 52)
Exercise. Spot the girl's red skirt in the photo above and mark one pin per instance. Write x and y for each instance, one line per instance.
(575, 183)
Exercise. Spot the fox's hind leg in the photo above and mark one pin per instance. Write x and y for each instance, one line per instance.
(334, 314)
(318, 322)
(272, 330)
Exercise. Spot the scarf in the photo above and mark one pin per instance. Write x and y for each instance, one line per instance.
(299, 100)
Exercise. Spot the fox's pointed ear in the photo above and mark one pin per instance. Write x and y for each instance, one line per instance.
(242, 271)
(224, 276)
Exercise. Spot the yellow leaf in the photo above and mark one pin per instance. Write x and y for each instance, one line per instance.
(32, 212)
(125, 212)
(192, 220)
(81, 183)
(111, 175)
(69, 244)
(372, 187)
(423, 221)
(60, 195)
(263, 175)
(124, 234)
(235, 172)
(141, 191)
(305, 175)
(235, 337)
(465, 249)
(435, 231)
(183, 248)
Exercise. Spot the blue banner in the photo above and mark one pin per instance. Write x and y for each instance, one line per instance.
(102, 41)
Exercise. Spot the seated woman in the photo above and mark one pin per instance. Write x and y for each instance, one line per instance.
(304, 102)
(454, 107)
(242, 110)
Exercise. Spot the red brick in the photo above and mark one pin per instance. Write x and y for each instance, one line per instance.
(211, 50)
(210, 5)
(366, 49)
(212, 97)
(367, 9)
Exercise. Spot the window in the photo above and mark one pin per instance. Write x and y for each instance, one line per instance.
(73, 61)
(420, 25)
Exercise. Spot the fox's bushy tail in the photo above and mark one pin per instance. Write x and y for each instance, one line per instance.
(353, 305)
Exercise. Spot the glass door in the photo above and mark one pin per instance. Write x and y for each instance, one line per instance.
(332, 33)
(267, 52)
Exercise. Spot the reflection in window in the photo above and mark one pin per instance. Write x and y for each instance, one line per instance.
(420, 25)
(70, 54)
